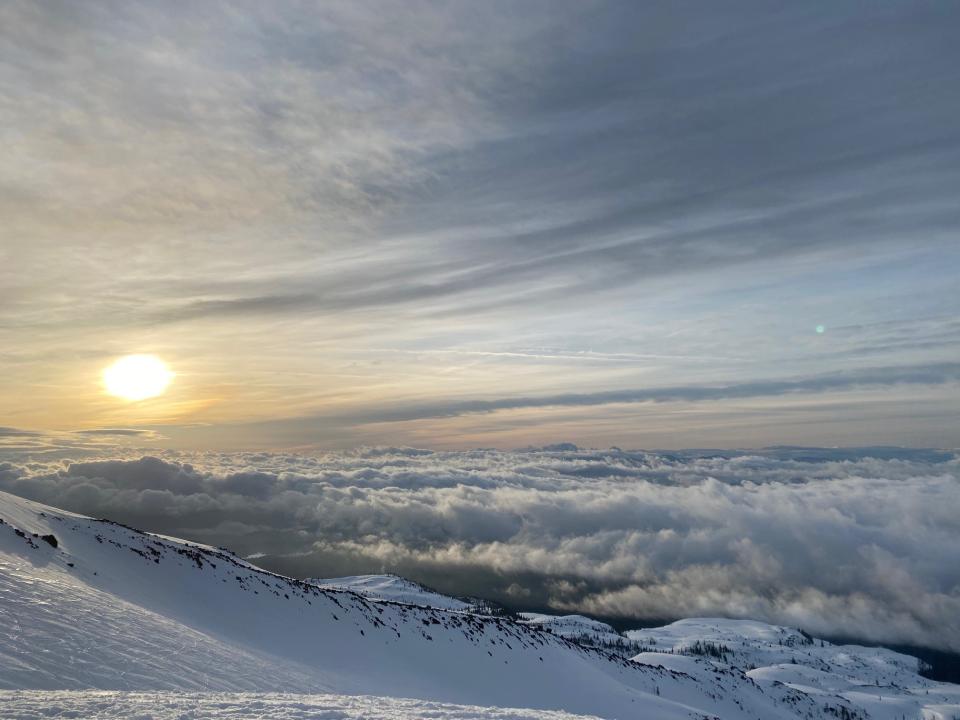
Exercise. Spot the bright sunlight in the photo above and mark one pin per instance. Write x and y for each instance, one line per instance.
(137, 377)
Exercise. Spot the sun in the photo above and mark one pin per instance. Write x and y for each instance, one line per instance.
(137, 377)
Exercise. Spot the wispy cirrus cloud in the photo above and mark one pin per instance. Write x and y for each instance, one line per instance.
(270, 196)
(941, 374)
(805, 397)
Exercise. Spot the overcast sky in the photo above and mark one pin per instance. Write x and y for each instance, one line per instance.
(657, 224)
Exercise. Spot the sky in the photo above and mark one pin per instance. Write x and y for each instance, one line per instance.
(460, 225)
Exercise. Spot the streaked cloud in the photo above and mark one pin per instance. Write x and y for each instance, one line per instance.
(312, 211)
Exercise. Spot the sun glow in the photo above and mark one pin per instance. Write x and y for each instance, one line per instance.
(137, 377)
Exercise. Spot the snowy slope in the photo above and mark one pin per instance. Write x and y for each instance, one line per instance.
(102, 606)
(113, 608)
(571, 626)
(584, 631)
(30, 705)
(873, 682)
(393, 587)
(748, 644)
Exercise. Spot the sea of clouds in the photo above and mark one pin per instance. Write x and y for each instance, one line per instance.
(859, 543)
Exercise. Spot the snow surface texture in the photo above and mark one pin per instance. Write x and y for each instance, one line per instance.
(393, 587)
(33, 705)
(92, 605)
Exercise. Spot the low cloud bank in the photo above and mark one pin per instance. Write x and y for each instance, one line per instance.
(861, 543)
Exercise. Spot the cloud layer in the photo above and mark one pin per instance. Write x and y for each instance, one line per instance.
(843, 542)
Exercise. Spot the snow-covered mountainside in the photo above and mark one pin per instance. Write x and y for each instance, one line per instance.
(583, 630)
(393, 587)
(750, 645)
(881, 683)
(104, 606)
(88, 604)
